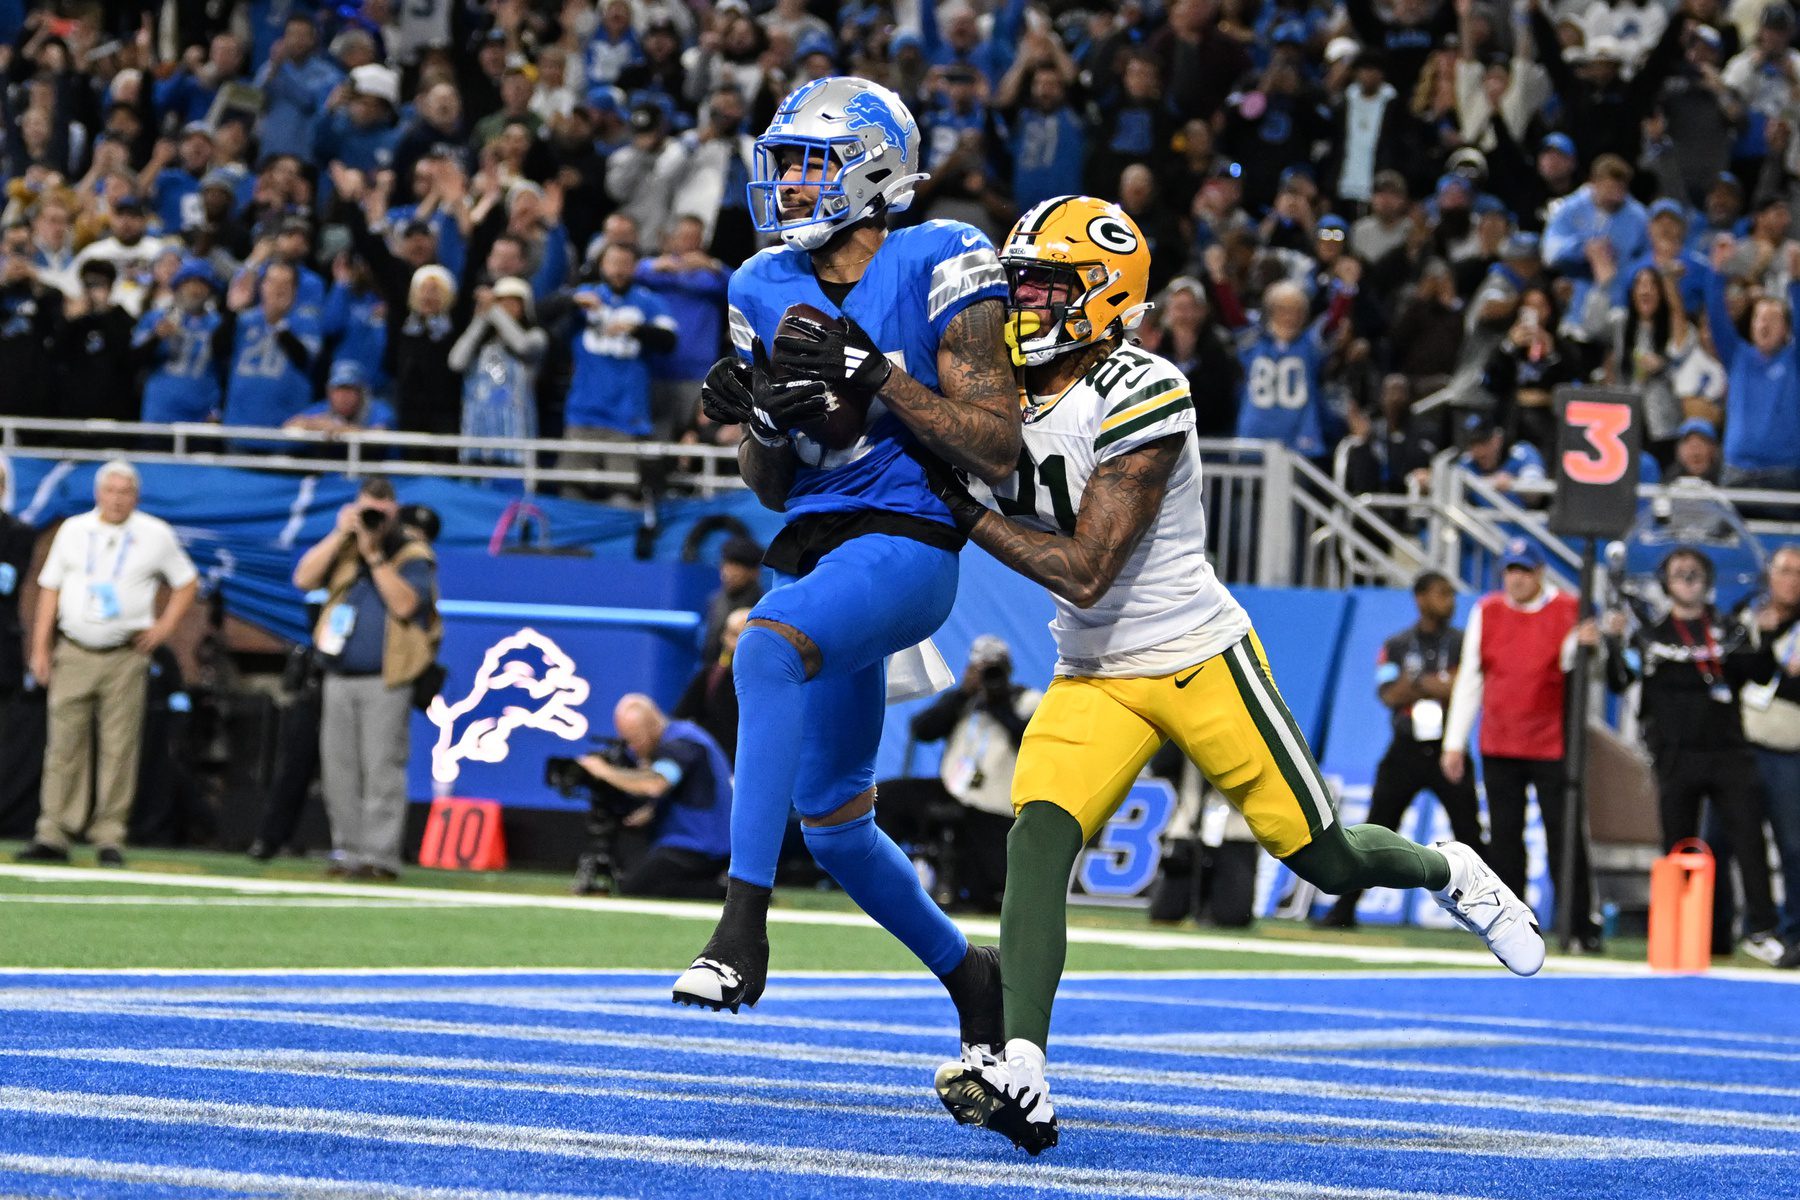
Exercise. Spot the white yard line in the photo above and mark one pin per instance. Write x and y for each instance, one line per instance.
(229, 901)
(255, 1183)
(1230, 1123)
(735, 1157)
(1137, 939)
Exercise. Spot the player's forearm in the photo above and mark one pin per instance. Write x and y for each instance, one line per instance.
(979, 441)
(975, 424)
(769, 470)
(1069, 566)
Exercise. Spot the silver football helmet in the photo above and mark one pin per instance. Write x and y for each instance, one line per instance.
(856, 139)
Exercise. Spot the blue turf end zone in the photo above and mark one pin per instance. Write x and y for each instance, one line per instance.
(483, 1085)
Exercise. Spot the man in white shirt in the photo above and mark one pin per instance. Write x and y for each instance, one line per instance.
(95, 629)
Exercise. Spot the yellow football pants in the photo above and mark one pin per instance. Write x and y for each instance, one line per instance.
(1090, 737)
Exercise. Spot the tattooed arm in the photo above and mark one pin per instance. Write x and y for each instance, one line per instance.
(769, 470)
(1117, 507)
(975, 423)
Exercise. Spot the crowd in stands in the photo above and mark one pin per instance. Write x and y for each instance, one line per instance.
(515, 218)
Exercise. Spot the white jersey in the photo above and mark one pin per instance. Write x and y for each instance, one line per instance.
(1166, 609)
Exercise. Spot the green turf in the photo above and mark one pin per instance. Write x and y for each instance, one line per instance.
(178, 937)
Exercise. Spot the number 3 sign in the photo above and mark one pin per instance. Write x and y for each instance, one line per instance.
(1598, 443)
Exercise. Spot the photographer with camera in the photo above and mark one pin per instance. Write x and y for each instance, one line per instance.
(1694, 663)
(672, 781)
(984, 721)
(379, 631)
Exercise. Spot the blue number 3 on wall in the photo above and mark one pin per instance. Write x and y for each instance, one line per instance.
(1125, 855)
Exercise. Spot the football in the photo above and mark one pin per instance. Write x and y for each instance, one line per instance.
(843, 423)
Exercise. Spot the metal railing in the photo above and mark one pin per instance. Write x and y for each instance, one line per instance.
(706, 470)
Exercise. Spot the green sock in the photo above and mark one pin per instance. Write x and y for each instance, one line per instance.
(1366, 856)
(1040, 851)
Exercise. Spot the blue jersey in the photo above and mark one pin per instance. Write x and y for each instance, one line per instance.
(182, 386)
(266, 388)
(1281, 399)
(611, 385)
(916, 284)
(357, 323)
(177, 193)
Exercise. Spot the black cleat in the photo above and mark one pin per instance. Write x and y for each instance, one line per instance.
(38, 852)
(734, 968)
(109, 856)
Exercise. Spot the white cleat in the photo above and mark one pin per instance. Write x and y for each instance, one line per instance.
(1763, 947)
(1008, 1096)
(1487, 908)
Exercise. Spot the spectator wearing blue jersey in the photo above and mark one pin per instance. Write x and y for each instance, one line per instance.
(360, 130)
(291, 243)
(614, 44)
(348, 407)
(269, 350)
(1283, 359)
(1601, 208)
(1486, 454)
(175, 343)
(439, 186)
(1668, 254)
(1045, 135)
(1136, 127)
(622, 322)
(297, 82)
(172, 180)
(691, 285)
(188, 94)
(354, 320)
(952, 36)
(498, 356)
(1762, 405)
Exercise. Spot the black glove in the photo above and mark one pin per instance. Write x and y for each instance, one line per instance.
(739, 393)
(846, 357)
(951, 486)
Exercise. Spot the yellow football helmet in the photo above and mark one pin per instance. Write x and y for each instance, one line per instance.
(1086, 263)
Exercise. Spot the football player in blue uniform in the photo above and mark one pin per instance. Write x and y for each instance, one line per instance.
(867, 561)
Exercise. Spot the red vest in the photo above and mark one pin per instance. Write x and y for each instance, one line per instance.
(1521, 667)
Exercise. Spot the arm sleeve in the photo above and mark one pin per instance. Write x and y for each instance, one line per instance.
(969, 271)
(1718, 320)
(740, 314)
(523, 343)
(463, 352)
(555, 267)
(1465, 693)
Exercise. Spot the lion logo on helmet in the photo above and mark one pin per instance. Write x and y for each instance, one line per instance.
(866, 110)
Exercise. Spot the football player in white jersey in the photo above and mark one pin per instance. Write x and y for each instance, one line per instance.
(1105, 511)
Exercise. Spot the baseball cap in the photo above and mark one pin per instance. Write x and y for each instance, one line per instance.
(348, 373)
(1447, 183)
(1522, 552)
(1478, 427)
(989, 650)
(741, 550)
(1777, 16)
(604, 99)
(219, 177)
(1562, 143)
(1667, 207)
(192, 269)
(197, 128)
(1332, 228)
(1730, 180)
(1699, 425)
(1520, 245)
(646, 117)
(1709, 35)
(373, 79)
(816, 42)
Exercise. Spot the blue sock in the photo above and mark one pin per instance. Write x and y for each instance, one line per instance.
(880, 878)
(770, 679)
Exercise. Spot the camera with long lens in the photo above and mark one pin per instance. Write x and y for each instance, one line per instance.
(373, 519)
(995, 675)
(607, 806)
